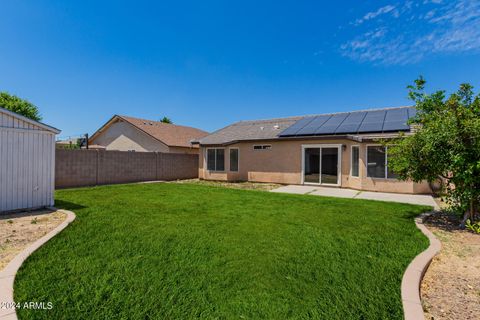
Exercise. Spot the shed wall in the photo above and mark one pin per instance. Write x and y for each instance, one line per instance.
(27, 165)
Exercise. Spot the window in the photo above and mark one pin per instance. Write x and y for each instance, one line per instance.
(262, 147)
(390, 173)
(377, 163)
(234, 160)
(216, 159)
(355, 161)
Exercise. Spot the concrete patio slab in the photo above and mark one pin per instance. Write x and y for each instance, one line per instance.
(295, 189)
(356, 194)
(335, 192)
(397, 197)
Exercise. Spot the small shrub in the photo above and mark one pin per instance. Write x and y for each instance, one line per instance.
(475, 227)
(34, 221)
(10, 221)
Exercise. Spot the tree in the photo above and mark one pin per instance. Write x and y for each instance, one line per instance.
(166, 120)
(445, 146)
(20, 106)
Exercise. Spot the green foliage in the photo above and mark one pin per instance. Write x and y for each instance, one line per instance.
(446, 144)
(475, 227)
(183, 251)
(20, 106)
(166, 120)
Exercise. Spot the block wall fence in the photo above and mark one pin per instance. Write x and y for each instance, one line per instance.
(78, 168)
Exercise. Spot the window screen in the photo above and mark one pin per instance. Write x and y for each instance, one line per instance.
(220, 163)
(233, 159)
(216, 159)
(211, 159)
(376, 159)
(355, 161)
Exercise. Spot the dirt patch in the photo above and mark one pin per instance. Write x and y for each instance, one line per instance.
(18, 230)
(451, 286)
(235, 185)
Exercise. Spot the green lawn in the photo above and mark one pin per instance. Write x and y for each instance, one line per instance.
(181, 251)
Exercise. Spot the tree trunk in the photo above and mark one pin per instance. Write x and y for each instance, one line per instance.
(469, 214)
(466, 215)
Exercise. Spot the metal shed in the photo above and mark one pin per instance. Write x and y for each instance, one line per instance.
(27, 162)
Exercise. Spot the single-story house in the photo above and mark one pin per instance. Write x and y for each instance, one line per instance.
(124, 133)
(27, 162)
(338, 150)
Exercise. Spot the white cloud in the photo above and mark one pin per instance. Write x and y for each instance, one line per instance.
(374, 14)
(432, 27)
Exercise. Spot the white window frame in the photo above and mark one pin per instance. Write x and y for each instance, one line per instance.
(339, 164)
(351, 160)
(263, 147)
(206, 159)
(238, 159)
(385, 177)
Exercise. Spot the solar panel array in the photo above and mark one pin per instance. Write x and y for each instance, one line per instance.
(375, 121)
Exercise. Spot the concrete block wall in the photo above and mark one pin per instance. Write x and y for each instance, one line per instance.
(77, 168)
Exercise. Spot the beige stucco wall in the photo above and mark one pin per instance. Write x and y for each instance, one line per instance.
(283, 164)
(122, 136)
(183, 150)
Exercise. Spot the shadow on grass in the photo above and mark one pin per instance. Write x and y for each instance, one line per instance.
(61, 204)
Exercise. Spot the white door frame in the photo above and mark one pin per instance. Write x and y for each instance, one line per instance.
(339, 164)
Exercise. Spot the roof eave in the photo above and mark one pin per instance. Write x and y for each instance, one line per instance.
(31, 121)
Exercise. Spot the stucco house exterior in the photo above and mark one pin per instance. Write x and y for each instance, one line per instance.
(124, 133)
(337, 150)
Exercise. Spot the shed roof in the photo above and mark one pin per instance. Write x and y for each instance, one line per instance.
(40, 125)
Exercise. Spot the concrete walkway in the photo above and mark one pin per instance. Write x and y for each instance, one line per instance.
(356, 194)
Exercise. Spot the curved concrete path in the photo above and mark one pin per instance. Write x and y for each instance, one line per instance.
(412, 278)
(7, 275)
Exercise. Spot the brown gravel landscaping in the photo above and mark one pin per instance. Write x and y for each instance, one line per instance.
(18, 230)
(235, 185)
(451, 286)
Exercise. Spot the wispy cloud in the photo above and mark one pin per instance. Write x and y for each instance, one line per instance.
(378, 12)
(414, 30)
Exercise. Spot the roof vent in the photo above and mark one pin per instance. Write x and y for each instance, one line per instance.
(261, 128)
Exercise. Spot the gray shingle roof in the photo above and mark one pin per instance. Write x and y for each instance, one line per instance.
(259, 129)
(249, 130)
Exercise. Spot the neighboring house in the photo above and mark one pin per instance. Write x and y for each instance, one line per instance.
(340, 150)
(131, 134)
(27, 162)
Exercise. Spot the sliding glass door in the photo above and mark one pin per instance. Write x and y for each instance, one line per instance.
(321, 165)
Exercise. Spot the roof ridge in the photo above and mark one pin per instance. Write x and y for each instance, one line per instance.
(159, 122)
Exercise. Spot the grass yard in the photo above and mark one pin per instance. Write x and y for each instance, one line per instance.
(181, 251)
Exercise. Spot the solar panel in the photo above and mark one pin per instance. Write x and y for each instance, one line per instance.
(354, 122)
(395, 126)
(373, 121)
(351, 123)
(396, 115)
(396, 120)
(292, 130)
(312, 126)
(412, 112)
(332, 124)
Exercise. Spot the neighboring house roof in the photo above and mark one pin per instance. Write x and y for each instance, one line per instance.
(28, 120)
(273, 129)
(171, 135)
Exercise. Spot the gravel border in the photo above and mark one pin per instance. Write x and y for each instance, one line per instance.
(412, 278)
(7, 275)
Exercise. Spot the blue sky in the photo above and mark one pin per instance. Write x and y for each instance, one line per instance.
(210, 63)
